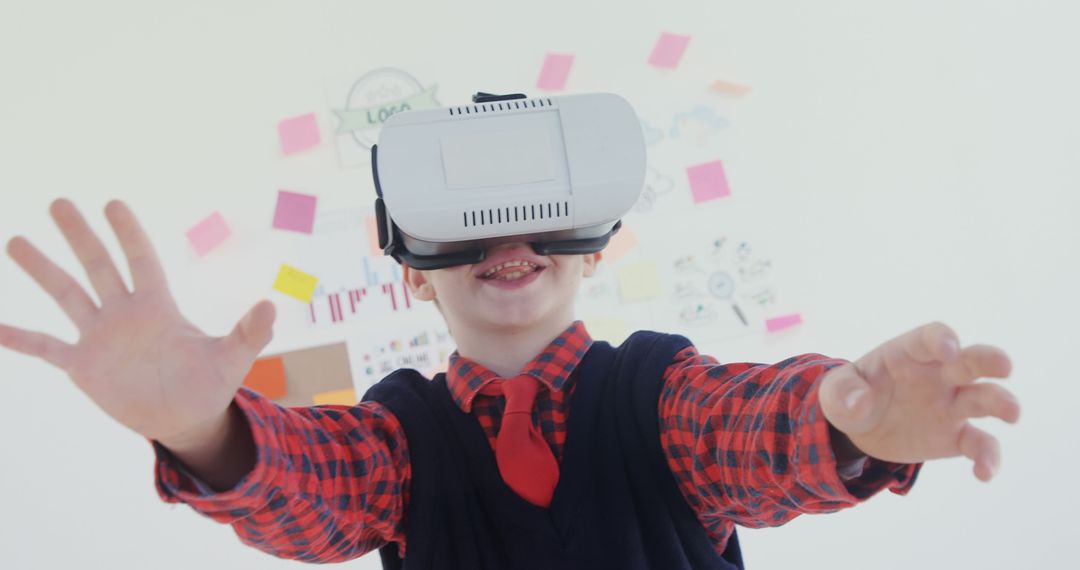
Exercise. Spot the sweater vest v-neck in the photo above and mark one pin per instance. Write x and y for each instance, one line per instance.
(616, 505)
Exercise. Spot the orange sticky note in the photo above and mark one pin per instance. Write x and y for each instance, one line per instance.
(729, 88)
(267, 377)
(373, 236)
(623, 240)
(346, 397)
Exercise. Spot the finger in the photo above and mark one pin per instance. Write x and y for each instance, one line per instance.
(934, 342)
(986, 399)
(987, 362)
(983, 449)
(252, 333)
(88, 248)
(71, 297)
(143, 262)
(849, 402)
(982, 361)
(43, 346)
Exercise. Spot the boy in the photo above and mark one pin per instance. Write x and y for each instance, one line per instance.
(539, 448)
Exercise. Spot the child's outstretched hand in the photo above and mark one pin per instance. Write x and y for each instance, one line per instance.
(909, 399)
(137, 357)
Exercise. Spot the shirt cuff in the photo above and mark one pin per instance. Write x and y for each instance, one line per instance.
(176, 484)
(849, 470)
(848, 483)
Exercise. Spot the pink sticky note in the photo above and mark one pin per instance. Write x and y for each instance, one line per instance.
(556, 69)
(298, 133)
(778, 323)
(208, 234)
(669, 50)
(708, 181)
(294, 212)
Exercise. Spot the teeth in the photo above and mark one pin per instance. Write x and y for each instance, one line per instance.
(529, 268)
(515, 275)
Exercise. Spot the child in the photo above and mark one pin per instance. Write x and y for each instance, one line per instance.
(651, 471)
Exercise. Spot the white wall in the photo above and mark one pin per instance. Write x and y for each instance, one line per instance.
(901, 162)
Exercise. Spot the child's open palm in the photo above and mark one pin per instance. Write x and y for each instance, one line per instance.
(137, 357)
(910, 399)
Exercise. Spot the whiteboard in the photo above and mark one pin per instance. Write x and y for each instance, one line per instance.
(889, 165)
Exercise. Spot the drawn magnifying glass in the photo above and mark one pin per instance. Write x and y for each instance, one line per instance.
(722, 286)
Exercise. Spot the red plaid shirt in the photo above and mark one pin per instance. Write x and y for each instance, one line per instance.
(331, 482)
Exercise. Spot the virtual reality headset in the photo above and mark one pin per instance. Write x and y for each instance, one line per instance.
(558, 173)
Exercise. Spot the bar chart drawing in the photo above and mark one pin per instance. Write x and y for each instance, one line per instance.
(360, 302)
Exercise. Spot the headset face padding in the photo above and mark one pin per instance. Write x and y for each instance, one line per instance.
(474, 256)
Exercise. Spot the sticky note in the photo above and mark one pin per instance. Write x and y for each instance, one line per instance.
(786, 321)
(708, 181)
(555, 71)
(294, 212)
(668, 50)
(267, 377)
(298, 133)
(295, 283)
(315, 370)
(623, 240)
(639, 281)
(373, 236)
(208, 234)
(611, 329)
(729, 88)
(346, 397)
(443, 366)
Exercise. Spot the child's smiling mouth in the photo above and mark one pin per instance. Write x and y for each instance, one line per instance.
(510, 267)
(511, 270)
(513, 277)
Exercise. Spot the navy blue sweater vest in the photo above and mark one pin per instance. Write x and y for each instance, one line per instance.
(616, 504)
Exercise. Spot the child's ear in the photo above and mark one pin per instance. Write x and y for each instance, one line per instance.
(590, 260)
(418, 283)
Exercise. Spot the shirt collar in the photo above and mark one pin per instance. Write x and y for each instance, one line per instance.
(552, 367)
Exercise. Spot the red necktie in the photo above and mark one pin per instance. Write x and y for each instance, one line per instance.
(525, 460)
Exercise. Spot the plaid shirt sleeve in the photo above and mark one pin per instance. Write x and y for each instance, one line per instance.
(748, 443)
(329, 483)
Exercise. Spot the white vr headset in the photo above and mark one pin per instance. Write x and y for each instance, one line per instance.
(556, 172)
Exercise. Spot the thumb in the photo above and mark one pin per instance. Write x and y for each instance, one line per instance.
(848, 401)
(253, 332)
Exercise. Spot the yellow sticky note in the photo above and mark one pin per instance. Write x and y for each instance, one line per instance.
(295, 283)
(613, 330)
(442, 367)
(620, 243)
(639, 281)
(346, 397)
